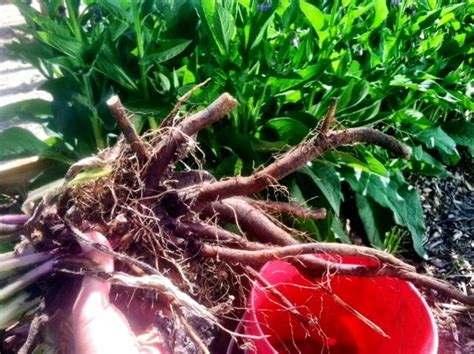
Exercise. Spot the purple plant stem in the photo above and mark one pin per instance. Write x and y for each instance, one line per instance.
(14, 219)
(6, 229)
(24, 261)
(26, 279)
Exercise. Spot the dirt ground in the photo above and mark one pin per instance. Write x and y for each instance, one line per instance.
(448, 204)
(449, 216)
(18, 81)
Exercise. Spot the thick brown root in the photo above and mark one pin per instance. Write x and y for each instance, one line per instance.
(293, 161)
(169, 229)
(165, 153)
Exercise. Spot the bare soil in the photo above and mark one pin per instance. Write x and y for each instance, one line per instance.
(18, 81)
(449, 216)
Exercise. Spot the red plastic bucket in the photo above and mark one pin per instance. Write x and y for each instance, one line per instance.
(393, 305)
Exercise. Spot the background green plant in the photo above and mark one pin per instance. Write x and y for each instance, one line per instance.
(404, 67)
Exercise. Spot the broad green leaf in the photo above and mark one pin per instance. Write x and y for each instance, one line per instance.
(224, 26)
(327, 180)
(412, 116)
(374, 220)
(258, 39)
(260, 145)
(380, 13)
(395, 194)
(279, 85)
(426, 164)
(432, 4)
(352, 16)
(312, 71)
(353, 94)
(315, 18)
(169, 50)
(208, 11)
(18, 142)
(291, 96)
(117, 29)
(115, 9)
(283, 5)
(445, 19)
(413, 214)
(436, 138)
(351, 161)
(24, 109)
(43, 22)
(67, 45)
(230, 166)
(362, 116)
(374, 165)
(462, 133)
(289, 130)
(107, 65)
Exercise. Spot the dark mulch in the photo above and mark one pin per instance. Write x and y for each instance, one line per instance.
(449, 216)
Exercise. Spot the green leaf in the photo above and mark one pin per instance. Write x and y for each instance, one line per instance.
(107, 65)
(90, 175)
(425, 163)
(169, 49)
(209, 9)
(327, 180)
(245, 3)
(413, 214)
(230, 166)
(374, 164)
(353, 94)
(289, 130)
(67, 45)
(24, 109)
(436, 138)
(279, 84)
(37, 20)
(374, 219)
(224, 26)
(462, 133)
(380, 14)
(208, 12)
(339, 231)
(395, 194)
(414, 117)
(258, 39)
(351, 161)
(315, 18)
(364, 115)
(18, 142)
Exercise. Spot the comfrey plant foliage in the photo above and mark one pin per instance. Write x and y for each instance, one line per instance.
(401, 66)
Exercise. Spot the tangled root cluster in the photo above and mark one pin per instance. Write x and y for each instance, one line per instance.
(143, 225)
(163, 219)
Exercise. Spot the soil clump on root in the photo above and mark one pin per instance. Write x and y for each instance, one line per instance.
(177, 265)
